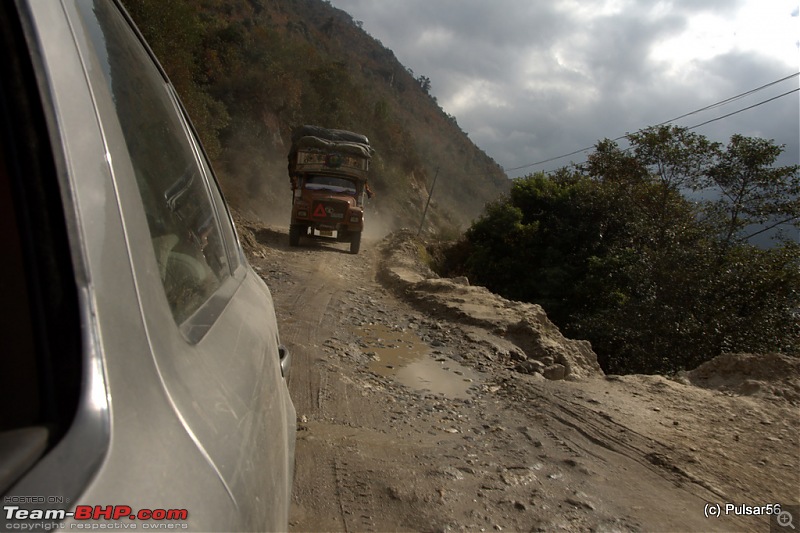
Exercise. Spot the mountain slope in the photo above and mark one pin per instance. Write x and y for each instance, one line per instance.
(251, 70)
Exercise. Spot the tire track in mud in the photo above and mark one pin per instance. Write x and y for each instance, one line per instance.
(642, 463)
(303, 315)
(354, 496)
(606, 433)
(309, 312)
(601, 429)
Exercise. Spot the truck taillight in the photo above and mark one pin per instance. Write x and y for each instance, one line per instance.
(302, 213)
(355, 219)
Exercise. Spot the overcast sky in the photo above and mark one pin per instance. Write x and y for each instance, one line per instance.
(530, 80)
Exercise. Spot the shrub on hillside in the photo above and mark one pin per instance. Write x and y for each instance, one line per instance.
(618, 254)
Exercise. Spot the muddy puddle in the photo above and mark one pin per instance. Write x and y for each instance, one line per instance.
(401, 354)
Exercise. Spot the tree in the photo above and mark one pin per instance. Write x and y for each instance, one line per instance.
(608, 162)
(425, 84)
(675, 156)
(617, 253)
(753, 196)
(492, 239)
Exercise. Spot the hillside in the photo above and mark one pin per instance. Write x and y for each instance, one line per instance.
(251, 70)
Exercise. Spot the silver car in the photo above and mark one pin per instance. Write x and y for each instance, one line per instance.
(142, 380)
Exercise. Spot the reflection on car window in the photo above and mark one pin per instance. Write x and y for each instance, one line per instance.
(183, 225)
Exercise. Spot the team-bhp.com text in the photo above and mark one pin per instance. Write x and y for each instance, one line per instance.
(93, 513)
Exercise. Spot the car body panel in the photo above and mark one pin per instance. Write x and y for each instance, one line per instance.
(172, 416)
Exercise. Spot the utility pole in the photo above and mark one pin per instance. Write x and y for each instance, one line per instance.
(424, 213)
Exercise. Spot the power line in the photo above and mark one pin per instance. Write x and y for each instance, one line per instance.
(732, 98)
(553, 158)
(745, 109)
(706, 108)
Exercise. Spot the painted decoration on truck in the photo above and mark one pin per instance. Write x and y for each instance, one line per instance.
(334, 160)
(309, 160)
(322, 210)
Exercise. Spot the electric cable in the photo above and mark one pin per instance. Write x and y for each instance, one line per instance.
(706, 108)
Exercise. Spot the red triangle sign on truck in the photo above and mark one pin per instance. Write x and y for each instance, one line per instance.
(319, 211)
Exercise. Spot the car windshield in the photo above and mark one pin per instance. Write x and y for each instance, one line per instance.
(330, 183)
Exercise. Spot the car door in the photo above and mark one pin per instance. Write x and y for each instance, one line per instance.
(178, 399)
(210, 320)
(98, 430)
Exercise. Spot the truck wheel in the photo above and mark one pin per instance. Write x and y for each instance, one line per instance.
(355, 242)
(295, 231)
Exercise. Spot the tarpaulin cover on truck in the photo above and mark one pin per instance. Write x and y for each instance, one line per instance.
(317, 149)
(328, 134)
(351, 148)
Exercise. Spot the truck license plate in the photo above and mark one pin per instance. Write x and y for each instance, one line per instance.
(326, 233)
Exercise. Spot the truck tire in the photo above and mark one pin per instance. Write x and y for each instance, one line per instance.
(295, 230)
(355, 242)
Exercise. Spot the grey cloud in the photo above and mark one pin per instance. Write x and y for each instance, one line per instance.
(568, 81)
(621, 46)
(713, 6)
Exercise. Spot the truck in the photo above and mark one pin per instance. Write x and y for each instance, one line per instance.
(328, 171)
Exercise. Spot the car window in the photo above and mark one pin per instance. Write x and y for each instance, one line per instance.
(226, 224)
(184, 226)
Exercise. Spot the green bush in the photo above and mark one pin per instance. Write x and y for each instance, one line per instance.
(618, 254)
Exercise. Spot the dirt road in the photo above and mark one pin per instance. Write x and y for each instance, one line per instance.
(412, 419)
